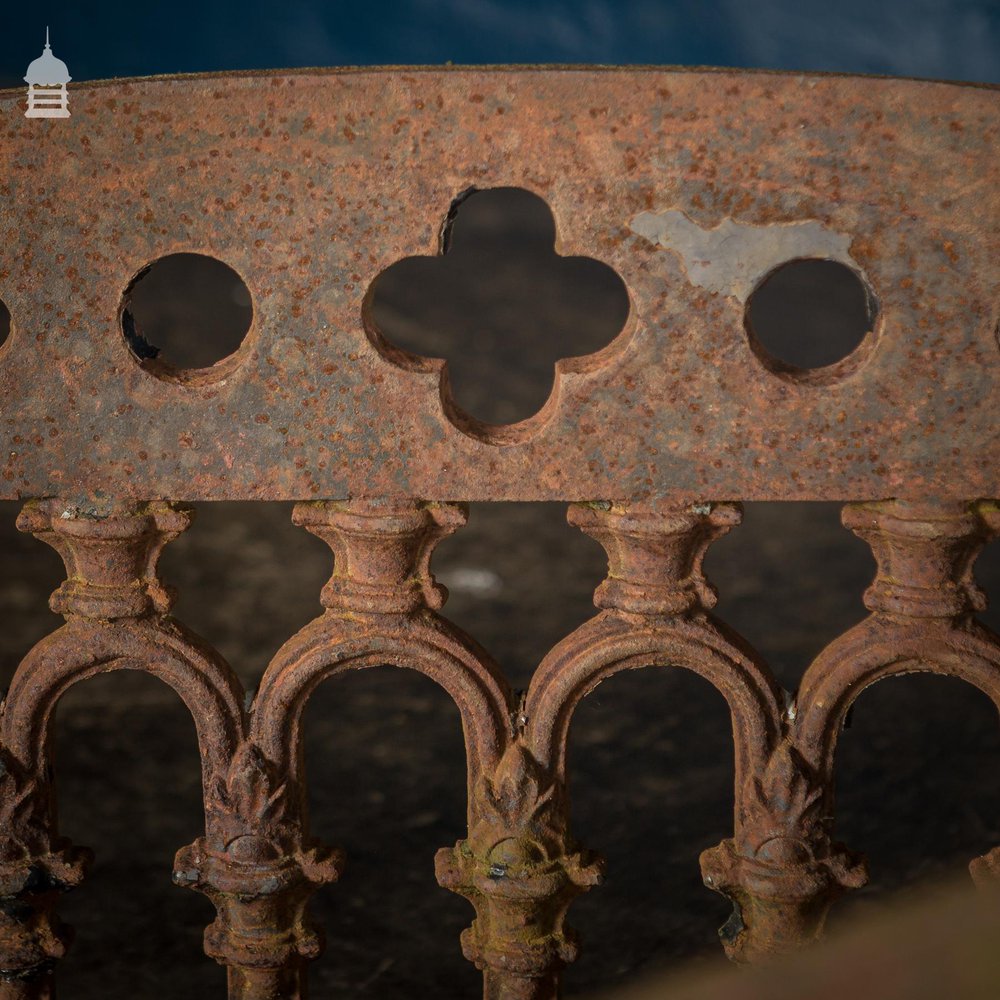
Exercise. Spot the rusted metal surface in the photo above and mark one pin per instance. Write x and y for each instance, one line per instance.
(310, 185)
(519, 865)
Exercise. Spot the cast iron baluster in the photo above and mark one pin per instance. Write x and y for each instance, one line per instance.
(922, 602)
(116, 618)
(381, 605)
(521, 868)
(656, 612)
(260, 876)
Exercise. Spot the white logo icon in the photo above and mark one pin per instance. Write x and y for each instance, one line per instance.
(46, 79)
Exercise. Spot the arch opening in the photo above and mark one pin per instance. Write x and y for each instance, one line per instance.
(128, 780)
(910, 792)
(651, 784)
(387, 781)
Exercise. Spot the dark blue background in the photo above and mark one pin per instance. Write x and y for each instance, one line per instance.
(947, 39)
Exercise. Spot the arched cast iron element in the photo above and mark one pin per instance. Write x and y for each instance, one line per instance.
(380, 608)
(921, 604)
(116, 613)
(520, 866)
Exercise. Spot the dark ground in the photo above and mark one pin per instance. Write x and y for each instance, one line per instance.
(651, 751)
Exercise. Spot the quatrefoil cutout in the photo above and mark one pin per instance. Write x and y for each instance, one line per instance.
(499, 306)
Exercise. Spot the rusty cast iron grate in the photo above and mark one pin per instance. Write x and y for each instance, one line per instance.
(696, 188)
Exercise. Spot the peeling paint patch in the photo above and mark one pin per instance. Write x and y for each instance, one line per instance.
(731, 258)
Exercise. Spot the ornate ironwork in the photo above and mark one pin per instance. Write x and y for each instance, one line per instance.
(310, 184)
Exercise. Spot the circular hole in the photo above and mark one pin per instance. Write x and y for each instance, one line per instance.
(4, 322)
(809, 314)
(186, 314)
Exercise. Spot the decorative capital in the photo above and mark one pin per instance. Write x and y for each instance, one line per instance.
(985, 870)
(655, 557)
(30, 854)
(382, 551)
(520, 873)
(32, 937)
(777, 907)
(924, 553)
(521, 905)
(110, 554)
(251, 811)
(255, 868)
(781, 871)
(260, 901)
